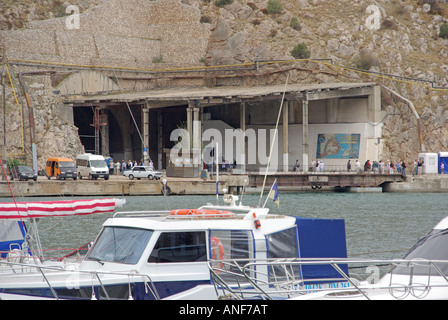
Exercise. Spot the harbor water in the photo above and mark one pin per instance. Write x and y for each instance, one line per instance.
(378, 225)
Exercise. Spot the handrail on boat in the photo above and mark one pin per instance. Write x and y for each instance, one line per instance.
(148, 283)
(142, 213)
(166, 215)
(241, 278)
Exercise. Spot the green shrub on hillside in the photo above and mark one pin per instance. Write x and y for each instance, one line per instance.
(365, 61)
(222, 3)
(295, 24)
(301, 51)
(444, 31)
(274, 7)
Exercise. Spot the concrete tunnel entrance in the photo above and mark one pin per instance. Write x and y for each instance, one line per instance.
(118, 134)
(348, 113)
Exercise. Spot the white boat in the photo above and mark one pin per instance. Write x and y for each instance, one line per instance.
(421, 275)
(167, 255)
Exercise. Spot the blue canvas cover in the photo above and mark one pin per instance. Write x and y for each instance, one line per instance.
(12, 235)
(321, 238)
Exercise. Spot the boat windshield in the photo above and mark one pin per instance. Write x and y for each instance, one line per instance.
(432, 247)
(120, 245)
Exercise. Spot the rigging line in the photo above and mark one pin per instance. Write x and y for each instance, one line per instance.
(130, 112)
(10, 190)
(20, 105)
(273, 140)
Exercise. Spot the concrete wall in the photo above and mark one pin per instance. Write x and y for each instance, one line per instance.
(107, 35)
(327, 116)
(367, 148)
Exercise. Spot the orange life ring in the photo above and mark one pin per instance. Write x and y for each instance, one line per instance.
(214, 212)
(183, 212)
(216, 246)
(189, 212)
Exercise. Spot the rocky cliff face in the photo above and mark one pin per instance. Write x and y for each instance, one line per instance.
(386, 37)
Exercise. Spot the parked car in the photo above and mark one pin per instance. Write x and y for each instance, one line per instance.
(142, 172)
(23, 173)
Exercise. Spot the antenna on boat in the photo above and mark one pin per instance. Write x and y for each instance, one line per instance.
(242, 191)
(273, 140)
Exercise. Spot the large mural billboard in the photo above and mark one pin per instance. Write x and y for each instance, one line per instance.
(338, 146)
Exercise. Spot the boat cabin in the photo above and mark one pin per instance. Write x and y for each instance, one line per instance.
(175, 254)
(175, 248)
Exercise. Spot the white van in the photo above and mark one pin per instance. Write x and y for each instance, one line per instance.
(92, 166)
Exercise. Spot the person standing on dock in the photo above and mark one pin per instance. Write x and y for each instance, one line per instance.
(349, 166)
(442, 166)
(111, 166)
(381, 166)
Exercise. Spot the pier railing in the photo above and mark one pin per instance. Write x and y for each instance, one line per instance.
(325, 169)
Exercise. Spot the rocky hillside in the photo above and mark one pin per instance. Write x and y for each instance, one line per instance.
(388, 37)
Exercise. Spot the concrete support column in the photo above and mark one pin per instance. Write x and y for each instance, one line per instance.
(190, 123)
(159, 140)
(285, 112)
(197, 136)
(374, 133)
(196, 129)
(242, 161)
(305, 143)
(104, 129)
(145, 132)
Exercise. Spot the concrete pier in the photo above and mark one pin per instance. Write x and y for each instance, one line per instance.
(420, 183)
(117, 186)
(122, 186)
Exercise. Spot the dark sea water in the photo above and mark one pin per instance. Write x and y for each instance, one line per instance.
(378, 225)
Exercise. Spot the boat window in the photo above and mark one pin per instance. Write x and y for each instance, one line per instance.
(120, 244)
(234, 246)
(231, 244)
(179, 247)
(432, 247)
(283, 244)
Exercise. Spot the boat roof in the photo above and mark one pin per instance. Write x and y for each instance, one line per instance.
(442, 225)
(163, 220)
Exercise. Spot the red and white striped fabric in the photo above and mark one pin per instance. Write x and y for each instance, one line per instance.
(39, 209)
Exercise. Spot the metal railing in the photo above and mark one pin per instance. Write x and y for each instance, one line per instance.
(282, 278)
(281, 169)
(96, 278)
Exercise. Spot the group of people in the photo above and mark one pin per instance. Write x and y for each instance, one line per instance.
(379, 167)
(317, 166)
(120, 167)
